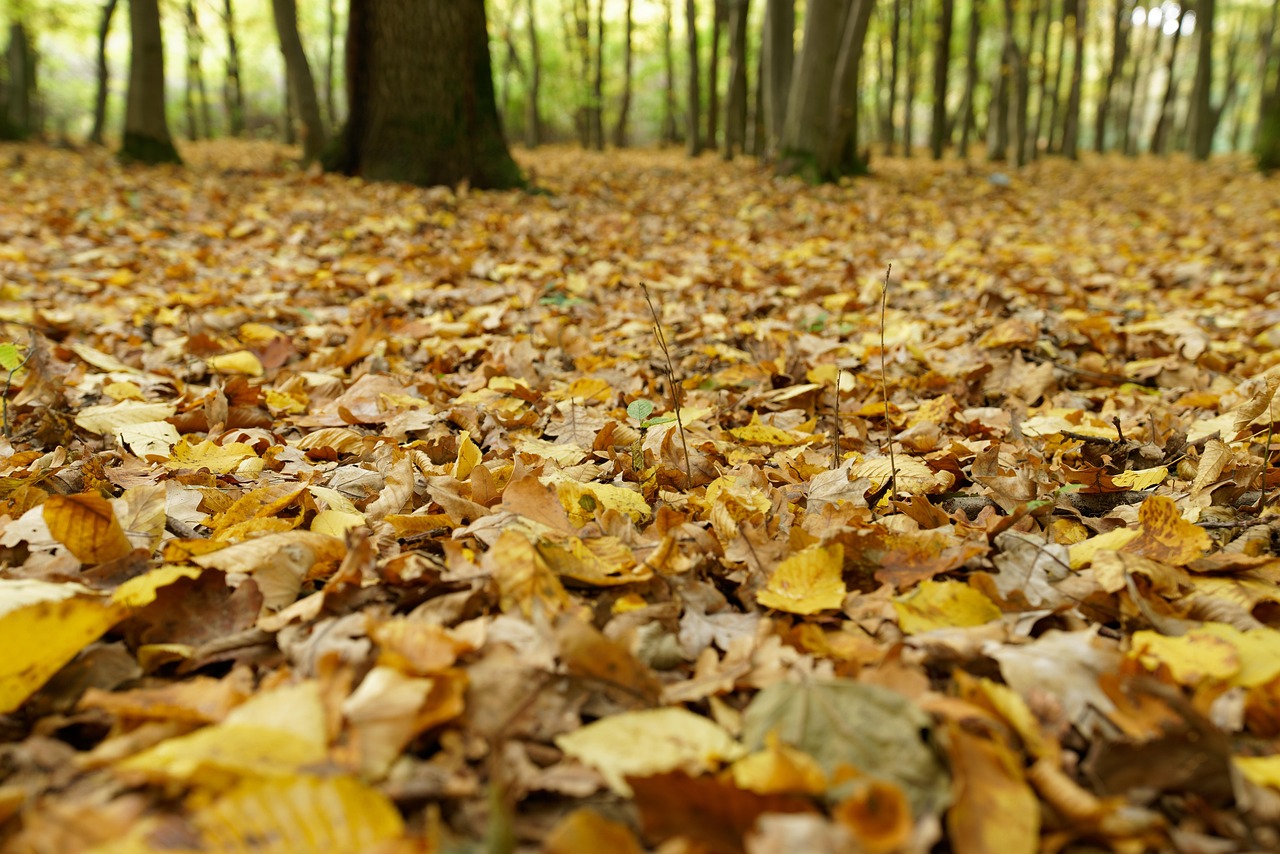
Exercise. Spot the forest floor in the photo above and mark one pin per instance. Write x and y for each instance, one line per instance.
(348, 517)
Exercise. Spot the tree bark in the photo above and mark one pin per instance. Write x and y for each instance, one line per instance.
(331, 34)
(970, 77)
(302, 87)
(692, 139)
(1060, 61)
(998, 129)
(420, 96)
(533, 113)
(735, 118)
(1071, 130)
(1265, 64)
(1042, 84)
(713, 75)
(669, 132)
(941, 67)
(232, 92)
(597, 83)
(1141, 47)
(146, 132)
(1120, 27)
(909, 96)
(1160, 136)
(624, 107)
(889, 131)
(104, 74)
(777, 56)
(1202, 112)
(1267, 147)
(843, 156)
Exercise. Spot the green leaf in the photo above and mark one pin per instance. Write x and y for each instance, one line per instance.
(640, 410)
(10, 357)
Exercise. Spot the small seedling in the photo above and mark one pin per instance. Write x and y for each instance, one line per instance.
(672, 382)
(11, 361)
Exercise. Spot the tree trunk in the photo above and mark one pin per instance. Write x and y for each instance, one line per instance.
(1055, 106)
(843, 156)
(735, 117)
(624, 108)
(1268, 144)
(1141, 48)
(888, 132)
(331, 34)
(669, 132)
(420, 96)
(693, 141)
(1160, 137)
(1042, 84)
(597, 83)
(233, 94)
(998, 129)
(289, 129)
(777, 56)
(104, 74)
(713, 75)
(970, 76)
(941, 67)
(1202, 124)
(1266, 55)
(146, 133)
(1021, 78)
(811, 139)
(1121, 23)
(1071, 130)
(302, 87)
(533, 114)
(912, 61)
(18, 97)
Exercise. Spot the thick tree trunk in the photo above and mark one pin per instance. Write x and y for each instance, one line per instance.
(692, 138)
(232, 92)
(777, 58)
(19, 96)
(1120, 27)
(1268, 144)
(814, 139)
(533, 113)
(146, 132)
(104, 74)
(735, 116)
(420, 96)
(1160, 137)
(624, 107)
(970, 77)
(941, 67)
(302, 87)
(1265, 63)
(1071, 130)
(1202, 112)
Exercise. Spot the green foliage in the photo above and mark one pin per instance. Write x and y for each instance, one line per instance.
(11, 357)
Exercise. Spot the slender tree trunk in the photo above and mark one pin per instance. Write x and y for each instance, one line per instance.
(756, 146)
(597, 83)
(1160, 137)
(302, 87)
(420, 96)
(1132, 113)
(670, 134)
(998, 131)
(713, 75)
(970, 76)
(1120, 27)
(888, 132)
(1060, 61)
(1042, 83)
(777, 56)
(1265, 64)
(693, 141)
(1202, 112)
(1071, 131)
(913, 63)
(533, 114)
(233, 94)
(941, 67)
(843, 156)
(331, 36)
(1021, 84)
(735, 118)
(1267, 147)
(582, 70)
(624, 106)
(146, 132)
(289, 124)
(104, 74)
(192, 33)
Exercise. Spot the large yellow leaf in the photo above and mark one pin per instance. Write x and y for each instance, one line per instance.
(87, 526)
(943, 604)
(807, 582)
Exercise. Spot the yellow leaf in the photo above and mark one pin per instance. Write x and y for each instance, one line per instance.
(1260, 770)
(878, 815)
(1141, 478)
(141, 590)
(1082, 553)
(306, 815)
(599, 561)
(239, 362)
(87, 526)
(524, 579)
(109, 418)
(943, 604)
(336, 523)
(258, 333)
(572, 494)
(122, 391)
(45, 625)
(469, 455)
(994, 809)
(914, 477)
(653, 741)
(764, 434)
(586, 830)
(218, 459)
(807, 582)
(150, 438)
(285, 403)
(779, 768)
(1165, 536)
(1214, 651)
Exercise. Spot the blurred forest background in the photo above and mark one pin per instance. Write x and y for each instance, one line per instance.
(1012, 79)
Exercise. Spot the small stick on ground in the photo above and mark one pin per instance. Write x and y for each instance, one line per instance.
(672, 381)
(884, 387)
(835, 427)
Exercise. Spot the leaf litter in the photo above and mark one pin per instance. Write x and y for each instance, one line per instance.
(338, 516)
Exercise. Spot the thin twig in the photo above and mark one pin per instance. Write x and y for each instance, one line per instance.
(835, 453)
(672, 380)
(884, 387)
